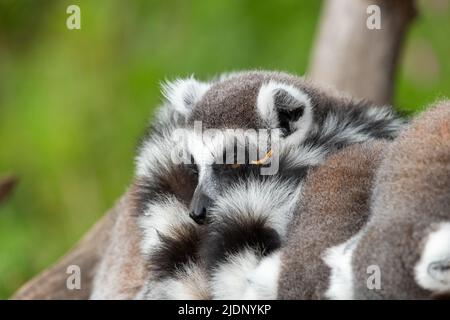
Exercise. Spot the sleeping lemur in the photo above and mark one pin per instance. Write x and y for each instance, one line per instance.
(334, 207)
(371, 210)
(408, 234)
(209, 213)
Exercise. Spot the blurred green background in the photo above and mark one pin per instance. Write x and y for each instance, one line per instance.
(73, 103)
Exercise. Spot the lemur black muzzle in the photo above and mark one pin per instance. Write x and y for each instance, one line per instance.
(199, 207)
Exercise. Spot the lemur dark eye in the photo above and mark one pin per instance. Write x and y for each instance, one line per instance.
(231, 167)
(227, 169)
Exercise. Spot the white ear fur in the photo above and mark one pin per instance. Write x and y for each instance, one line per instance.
(339, 259)
(183, 94)
(432, 272)
(268, 110)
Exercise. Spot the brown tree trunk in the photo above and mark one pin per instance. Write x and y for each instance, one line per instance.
(355, 59)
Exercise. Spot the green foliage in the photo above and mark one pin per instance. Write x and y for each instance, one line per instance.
(73, 103)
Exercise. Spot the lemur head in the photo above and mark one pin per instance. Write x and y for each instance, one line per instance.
(258, 125)
(232, 126)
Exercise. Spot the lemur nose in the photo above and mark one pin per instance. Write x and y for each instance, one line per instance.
(199, 206)
(200, 216)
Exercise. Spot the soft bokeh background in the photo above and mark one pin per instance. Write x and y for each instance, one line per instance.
(73, 103)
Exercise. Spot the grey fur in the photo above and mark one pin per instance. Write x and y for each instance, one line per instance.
(230, 103)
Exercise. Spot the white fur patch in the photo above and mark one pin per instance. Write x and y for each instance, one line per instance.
(189, 283)
(263, 281)
(159, 219)
(184, 93)
(154, 156)
(203, 152)
(339, 259)
(435, 253)
(229, 280)
(266, 107)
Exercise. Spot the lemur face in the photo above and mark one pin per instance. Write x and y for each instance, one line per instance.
(235, 152)
(234, 127)
(264, 125)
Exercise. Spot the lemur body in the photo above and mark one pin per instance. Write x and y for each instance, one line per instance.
(244, 222)
(363, 215)
(408, 234)
(335, 206)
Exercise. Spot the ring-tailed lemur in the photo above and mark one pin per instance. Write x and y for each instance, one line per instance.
(335, 206)
(247, 212)
(372, 226)
(408, 235)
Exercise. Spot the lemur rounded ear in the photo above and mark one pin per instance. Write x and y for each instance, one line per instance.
(284, 106)
(183, 94)
(433, 270)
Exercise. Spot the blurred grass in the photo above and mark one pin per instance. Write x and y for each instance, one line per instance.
(74, 103)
